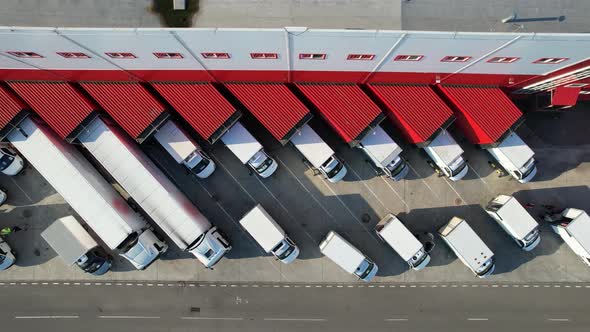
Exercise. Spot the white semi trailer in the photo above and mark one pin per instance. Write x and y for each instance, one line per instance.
(159, 198)
(88, 193)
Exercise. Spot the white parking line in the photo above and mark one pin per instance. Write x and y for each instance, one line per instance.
(396, 320)
(456, 192)
(477, 319)
(478, 176)
(558, 319)
(129, 317)
(395, 192)
(365, 185)
(212, 318)
(21, 189)
(46, 317)
(424, 182)
(297, 319)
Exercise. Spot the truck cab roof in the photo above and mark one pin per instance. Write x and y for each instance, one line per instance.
(515, 150)
(579, 227)
(381, 146)
(241, 142)
(445, 147)
(312, 146)
(515, 217)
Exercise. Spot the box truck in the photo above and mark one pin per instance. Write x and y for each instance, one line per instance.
(384, 153)
(75, 246)
(573, 225)
(155, 194)
(515, 220)
(468, 246)
(248, 150)
(184, 150)
(393, 232)
(349, 258)
(10, 162)
(269, 235)
(319, 154)
(446, 156)
(515, 157)
(88, 193)
(7, 256)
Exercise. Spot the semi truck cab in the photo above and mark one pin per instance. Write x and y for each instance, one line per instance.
(143, 249)
(447, 156)
(210, 247)
(10, 162)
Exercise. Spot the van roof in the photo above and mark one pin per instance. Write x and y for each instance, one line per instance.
(516, 150)
(241, 142)
(262, 227)
(579, 228)
(312, 146)
(516, 219)
(467, 243)
(341, 252)
(445, 146)
(381, 146)
(395, 233)
(175, 141)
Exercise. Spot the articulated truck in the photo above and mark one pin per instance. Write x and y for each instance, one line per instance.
(157, 196)
(88, 193)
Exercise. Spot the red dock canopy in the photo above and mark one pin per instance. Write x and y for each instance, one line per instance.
(59, 104)
(201, 105)
(274, 105)
(484, 113)
(130, 105)
(345, 107)
(10, 107)
(415, 109)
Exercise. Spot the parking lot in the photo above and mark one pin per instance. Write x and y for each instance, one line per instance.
(307, 207)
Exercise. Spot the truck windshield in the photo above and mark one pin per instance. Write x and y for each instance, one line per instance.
(264, 166)
(531, 164)
(335, 168)
(485, 268)
(395, 169)
(5, 161)
(287, 251)
(368, 270)
(418, 258)
(459, 168)
(201, 165)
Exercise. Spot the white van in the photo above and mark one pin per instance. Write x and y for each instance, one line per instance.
(573, 225)
(10, 162)
(249, 150)
(349, 258)
(468, 246)
(515, 157)
(184, 150)
(392, 230)
(515, 220)
(7, 258)
(318, 153)
(269, 235)
(384, 153)
(447, 156)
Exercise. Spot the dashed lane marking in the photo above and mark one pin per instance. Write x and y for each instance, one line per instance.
(396, 319)
(297, 319)
(46, 317)
(129, 317)
(212, 318)
(477, 319)
(558, 319)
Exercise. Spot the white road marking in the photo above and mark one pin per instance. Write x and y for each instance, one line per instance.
(366, 186)
(21, 189)
(396, 320)
(212, 318)
(297, 319)
(129, 317)
(217, 161)
(395, 192)
(453, 188)
(478, 176)
(424, 182)
(46, 317)
(558, 319)
(477, 319)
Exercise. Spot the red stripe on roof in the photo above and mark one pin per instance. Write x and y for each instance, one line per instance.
(415, 109)
(128, 103)
(483, 113)
(200, 104)
(565, 96)
(344, 106)
(274, 105)
(10, 106)
(57, 103)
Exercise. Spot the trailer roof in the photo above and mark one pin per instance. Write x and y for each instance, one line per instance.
(10, 106)
(274, 105)
(57, 103)
(345, 107)
(205, 109)
(129, 104)
(416, 109)
(484, 113)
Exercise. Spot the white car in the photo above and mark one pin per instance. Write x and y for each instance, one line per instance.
(10, 162)
(3, 196)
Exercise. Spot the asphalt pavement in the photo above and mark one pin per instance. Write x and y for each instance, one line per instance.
(290, 308)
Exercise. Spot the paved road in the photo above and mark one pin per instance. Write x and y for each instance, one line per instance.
(174, 308)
